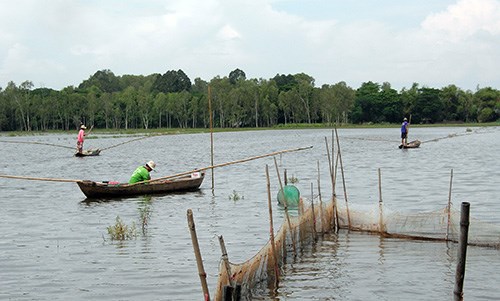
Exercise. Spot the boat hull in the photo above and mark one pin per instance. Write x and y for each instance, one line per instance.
(412, 144)
(89, 152)
(93, 189)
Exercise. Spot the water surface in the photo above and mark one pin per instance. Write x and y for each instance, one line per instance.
(54, 243)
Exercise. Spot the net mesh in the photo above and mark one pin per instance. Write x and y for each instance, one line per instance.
(261, 272)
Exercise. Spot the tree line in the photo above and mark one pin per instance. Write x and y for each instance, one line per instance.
(172, 100)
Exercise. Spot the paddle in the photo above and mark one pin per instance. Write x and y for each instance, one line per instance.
(88, 133)
(407, 130)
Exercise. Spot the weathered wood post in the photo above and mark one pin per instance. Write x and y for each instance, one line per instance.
(449, 207)
(197, 254)
(462, 251)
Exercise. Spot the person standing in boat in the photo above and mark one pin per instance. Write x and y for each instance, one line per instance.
(142, 173)
(404, 132)
(80, 138)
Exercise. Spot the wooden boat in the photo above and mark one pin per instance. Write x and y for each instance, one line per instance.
(88, 152)
(412, 144)
(110, 189)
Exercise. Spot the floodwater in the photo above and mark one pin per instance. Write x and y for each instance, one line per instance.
(54, 243)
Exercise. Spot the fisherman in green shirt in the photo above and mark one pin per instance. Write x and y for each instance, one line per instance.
(142, 173)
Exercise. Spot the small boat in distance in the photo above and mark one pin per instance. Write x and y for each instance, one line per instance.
(88, 152)
(412, 144)
(106, 189)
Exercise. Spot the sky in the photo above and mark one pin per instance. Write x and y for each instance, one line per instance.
(435, 43)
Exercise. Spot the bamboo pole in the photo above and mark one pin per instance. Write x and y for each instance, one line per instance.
(334, 185)
(343, 179)
(222, 165)
(381, 213)
(408, 130)
(271, 230)
(334, 206)
(333, 157)
(39, 179)
(211, 134)
(313, 213)
(462, 251)
(320, 202)
(40, 143)
(292, 233)
(329, 163)
(197, 254)
(122, 143)
(225, 260)
(449, 207)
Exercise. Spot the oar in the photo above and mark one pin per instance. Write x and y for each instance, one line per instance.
(221, 165)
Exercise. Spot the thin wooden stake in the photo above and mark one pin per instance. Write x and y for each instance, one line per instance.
(343, 180)
(197, 254)
(271, 230)
(333, 157)
(380, 209)
(292, 234)
(335, 219)
(211, 133)
(320, 202)
(313, 213)
(449, 207)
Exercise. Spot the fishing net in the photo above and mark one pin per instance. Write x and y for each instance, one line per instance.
(429, 225)
(260, 274)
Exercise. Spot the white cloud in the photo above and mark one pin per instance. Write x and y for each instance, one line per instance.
(228, 33)
(464, 19)
(62, 43)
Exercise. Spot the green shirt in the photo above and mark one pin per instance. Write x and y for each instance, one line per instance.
(139, 175)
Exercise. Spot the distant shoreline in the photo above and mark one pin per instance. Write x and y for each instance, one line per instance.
(177, 131)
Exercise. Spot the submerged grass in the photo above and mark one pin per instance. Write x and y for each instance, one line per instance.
(121, 231)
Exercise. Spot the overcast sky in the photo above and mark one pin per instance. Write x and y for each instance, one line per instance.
(60, 43)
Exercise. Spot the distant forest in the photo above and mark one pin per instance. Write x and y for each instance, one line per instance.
(172, 100)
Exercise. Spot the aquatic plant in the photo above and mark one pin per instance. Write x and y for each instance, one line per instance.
(235, 196)
(121, 231)
(292, 180)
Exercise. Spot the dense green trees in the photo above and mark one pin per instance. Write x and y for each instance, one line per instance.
(172, 100)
